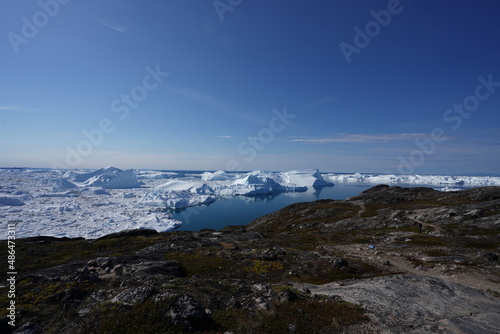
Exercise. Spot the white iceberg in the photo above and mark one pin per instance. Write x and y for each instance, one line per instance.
(306, 178)
(157, 175)
(257, 183)
(179, 195)
(467, 181)
(155, 221)
(63, 184)
(108, 178)
(219, 175)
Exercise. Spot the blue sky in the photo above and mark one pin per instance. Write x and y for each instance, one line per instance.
(343, 86)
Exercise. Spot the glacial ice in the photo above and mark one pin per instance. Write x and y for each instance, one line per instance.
(10, 201)
(91, 204)
(219, 175)
(182, 194)
(179, 195)
(468, 181)
(108, 178)
(257, 183)
(306, 178)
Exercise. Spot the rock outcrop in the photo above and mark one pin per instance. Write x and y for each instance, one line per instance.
(391, 260)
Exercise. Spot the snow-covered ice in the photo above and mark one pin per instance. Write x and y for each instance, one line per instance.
(179, 194)
(90, 204)
(109, 178)
(256, 183)
(264, 183)
(219, 175)
(306, 178)
(75, 203)
(10, 201)
(467, 181)
(152, 174)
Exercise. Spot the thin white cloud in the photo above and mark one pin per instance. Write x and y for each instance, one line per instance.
(115, 27)
(364, 138)
(17, 108)
(225, 137)
(323, 101)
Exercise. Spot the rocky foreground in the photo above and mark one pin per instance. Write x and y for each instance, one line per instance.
(391, 260)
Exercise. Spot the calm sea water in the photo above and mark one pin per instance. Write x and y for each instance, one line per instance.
(241, 210)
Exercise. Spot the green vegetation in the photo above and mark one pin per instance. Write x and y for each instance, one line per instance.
(302, 316)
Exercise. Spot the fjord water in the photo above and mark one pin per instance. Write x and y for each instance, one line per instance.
(241, 210)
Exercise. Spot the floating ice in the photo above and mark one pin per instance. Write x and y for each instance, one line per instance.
(306, 178)
(62, 184)
(159, 222)
(467, 181)
(179, 194)
(10, 201)
(219, 175)
(447, 189)
(100, 191)
(256, 183)
(157, 175)
(71, 203)
(108, 178)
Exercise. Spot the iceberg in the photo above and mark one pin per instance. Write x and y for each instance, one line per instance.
(306, 178)
(258, 183)
(179, 195)
(155, 221)
(108, 178)
(466, 181)
(157, 175)
(219, 175)
(63, 184)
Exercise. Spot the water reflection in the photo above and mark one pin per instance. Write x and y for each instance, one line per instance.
(241, 210)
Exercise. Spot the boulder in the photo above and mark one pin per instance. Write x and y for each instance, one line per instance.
(187, 313)
(134, 295)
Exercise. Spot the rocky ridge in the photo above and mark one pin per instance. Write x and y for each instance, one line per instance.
(391, 260)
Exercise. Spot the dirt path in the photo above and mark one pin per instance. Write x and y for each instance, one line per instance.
(362, 208)
(396, 262)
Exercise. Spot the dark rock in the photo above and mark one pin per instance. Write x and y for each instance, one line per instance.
(149, 268)
(104, 262)
(87, 275)
(240, 237)
(268, 255)
(339, 263)
(59, 273)
(71, 297)
(155, 250)
(134, 295)
(187, 313)
(130, 233)
(208, 243)
(287, 295)
(234, 229)
(29, 328)
(119, 270)
(85, 271)
(92, 263)
(94, 277)
(492, 257)
(233, 304)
